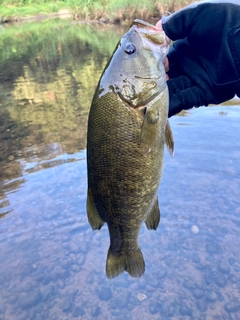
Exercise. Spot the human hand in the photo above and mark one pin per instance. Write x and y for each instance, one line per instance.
(183, 93)
(203, 63)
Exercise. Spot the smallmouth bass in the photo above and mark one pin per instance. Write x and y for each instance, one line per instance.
(127, 129)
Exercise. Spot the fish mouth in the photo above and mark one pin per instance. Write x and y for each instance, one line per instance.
(148, 78)
(152, 38)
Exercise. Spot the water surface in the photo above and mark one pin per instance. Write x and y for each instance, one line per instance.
(52, 264)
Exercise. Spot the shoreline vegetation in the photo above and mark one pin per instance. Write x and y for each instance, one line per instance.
(106, 11)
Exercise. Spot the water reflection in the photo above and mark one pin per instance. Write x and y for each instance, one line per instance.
(48, 73)
(52, 264)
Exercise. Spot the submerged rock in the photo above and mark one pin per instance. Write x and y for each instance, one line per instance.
(3, 308)
(185, 310)
(78, 312)
(198, 293)
(30, 299)
(104, 292)
(48, 292)
(211, 296)
(154, 307)
(223, 267)
(232, 306)
(202, 305)
(95, 311)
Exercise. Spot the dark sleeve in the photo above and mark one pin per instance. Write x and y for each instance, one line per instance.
(212, 30)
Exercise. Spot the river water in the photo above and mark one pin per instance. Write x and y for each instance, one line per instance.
(52, 264)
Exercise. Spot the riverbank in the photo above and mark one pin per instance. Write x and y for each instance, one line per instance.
(116, 11)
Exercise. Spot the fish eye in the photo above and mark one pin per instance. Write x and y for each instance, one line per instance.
(130, 48)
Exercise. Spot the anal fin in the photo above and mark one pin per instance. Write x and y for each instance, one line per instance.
(153, 218)
(93, 217)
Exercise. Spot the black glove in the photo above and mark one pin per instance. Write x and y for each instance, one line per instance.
(204, 65)
(184, 94)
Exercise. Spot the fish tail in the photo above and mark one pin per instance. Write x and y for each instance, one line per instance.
(131, 261)
(135, 264)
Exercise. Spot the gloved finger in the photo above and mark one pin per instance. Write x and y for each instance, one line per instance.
(185, 98)
(176, 85)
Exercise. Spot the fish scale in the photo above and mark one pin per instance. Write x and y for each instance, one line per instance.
(122, 170)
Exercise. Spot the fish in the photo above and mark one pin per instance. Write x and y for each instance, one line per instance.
(127, 130)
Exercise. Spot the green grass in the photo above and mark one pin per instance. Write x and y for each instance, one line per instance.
(25, 8)
(28, 10)
(114, 10)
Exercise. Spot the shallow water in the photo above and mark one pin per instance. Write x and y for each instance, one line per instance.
(52, 264)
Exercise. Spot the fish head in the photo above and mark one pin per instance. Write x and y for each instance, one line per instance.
(136, 72)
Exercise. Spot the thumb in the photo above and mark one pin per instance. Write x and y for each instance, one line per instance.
(159, 25)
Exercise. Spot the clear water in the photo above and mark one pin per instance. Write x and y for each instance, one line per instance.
(52, 264)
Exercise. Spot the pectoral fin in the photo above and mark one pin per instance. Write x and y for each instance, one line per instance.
(93, 217)
(153, 218)
(149, 128)
(169, 139)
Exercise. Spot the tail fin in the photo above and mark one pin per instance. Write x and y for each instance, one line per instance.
(131, 261)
